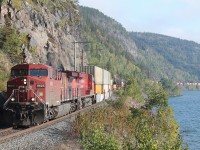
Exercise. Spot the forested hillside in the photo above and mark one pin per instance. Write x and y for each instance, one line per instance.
(157, 56)
(175, 54)
(111, 46)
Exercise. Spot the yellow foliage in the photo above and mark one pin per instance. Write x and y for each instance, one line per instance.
(17, 4)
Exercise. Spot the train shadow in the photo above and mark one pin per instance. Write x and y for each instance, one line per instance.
(5, 116)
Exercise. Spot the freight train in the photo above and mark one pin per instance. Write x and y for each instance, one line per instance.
(37, 93)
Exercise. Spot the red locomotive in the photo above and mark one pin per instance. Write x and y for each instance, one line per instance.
(37, 93)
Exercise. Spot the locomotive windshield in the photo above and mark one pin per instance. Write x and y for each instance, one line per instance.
(19, 72)
(38, 72)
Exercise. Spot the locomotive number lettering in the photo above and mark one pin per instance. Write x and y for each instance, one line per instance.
(74, 74)
(40, 85)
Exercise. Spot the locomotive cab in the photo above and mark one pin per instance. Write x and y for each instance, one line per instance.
(26, 93)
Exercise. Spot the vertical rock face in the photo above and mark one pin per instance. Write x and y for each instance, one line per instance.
(49, 35)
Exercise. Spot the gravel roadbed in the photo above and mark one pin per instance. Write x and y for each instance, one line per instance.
(55, 137)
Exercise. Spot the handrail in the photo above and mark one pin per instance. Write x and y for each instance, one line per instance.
(4, 106)
(40, 99)
(13, 92)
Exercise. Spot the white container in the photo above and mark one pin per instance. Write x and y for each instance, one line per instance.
(101, 76)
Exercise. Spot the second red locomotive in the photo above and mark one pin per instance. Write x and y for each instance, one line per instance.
(37, 93)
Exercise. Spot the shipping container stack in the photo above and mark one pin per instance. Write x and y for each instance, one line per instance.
(102, 81)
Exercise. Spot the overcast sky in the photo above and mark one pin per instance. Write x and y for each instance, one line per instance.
(177, 18)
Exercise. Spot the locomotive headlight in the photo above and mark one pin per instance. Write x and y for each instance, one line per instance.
(32, 99)
(25, 81)
(12, 99)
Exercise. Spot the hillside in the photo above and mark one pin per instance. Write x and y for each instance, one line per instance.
(181, 54)
(157, 56)
(46, 31)
(111, 46)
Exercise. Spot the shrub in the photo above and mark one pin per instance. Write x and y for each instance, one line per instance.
(17, 4)
(98, 139)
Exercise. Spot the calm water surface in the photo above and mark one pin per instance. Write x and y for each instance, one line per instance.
(187, 114)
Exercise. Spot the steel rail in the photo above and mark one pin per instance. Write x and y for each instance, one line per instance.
(47, 124)
(5, 130)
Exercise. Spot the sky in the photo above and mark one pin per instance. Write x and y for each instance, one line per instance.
(176, 18)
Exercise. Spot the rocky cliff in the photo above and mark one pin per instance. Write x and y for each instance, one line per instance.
(50, 28)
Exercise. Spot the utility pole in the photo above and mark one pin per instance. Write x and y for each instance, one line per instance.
(74, 56)
(81, 53)
(82, 58)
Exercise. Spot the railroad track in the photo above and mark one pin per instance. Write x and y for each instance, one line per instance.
(5, 130)
(10, 133)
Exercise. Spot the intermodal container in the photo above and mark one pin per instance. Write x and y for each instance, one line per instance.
(105, 88)
(98, 88)
(106, 77)
(95, 71)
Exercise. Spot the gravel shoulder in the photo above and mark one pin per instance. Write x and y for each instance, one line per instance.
(55, 137)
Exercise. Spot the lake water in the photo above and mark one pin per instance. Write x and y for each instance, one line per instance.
(187, 114)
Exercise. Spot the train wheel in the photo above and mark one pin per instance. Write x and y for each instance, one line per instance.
(73, 107)
(51, 114)
(79, 104)
(94, 100)
(15, 127)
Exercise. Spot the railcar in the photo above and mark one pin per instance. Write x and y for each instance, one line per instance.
(37, 93)
(118, 84)
(102, 81)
